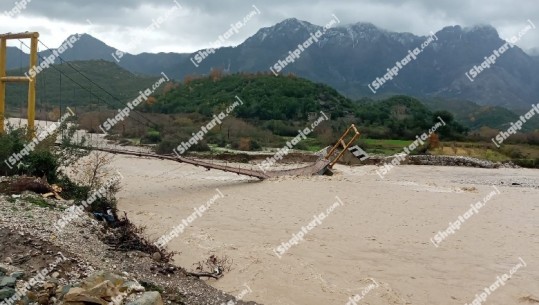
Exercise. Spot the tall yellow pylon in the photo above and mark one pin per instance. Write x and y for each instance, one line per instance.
(34, 36)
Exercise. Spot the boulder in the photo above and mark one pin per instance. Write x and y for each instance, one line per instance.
(43, 298)
(6, 293)
(78, 294)
(3, 270)
(105, 290)
(101, 276)
(148, 298)
(99, 288)
(156, 256)
(18, 275)
(7, 281)
(62, 291)
(50, 286)
(132, 286)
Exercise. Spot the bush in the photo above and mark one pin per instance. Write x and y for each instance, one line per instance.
(166, 146)
(528, 163)
(220, 140)
(11, 142)
(245, 144)
(79, 193)
(42, 163)
(46, 161)
(301, 146)
(170, 143)
(281, 128)
(512, 152)
(151, 137)
(71, 190)
(39, 162)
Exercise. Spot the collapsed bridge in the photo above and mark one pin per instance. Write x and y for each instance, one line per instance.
(322, 166)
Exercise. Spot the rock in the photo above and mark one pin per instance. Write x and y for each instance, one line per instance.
(6, 293)
(55, 281)
(61, 291)
(100, 288)
(4, 269)
(55, 275)
(447, 161)
(25, 301)
(49, 286)
(8, 281)
(101, 276)
(78, 294)
(105, 290)
(132, 287)
(18, 275)
(156, 256)
(43, 299)
(148, 298)
(72, 294)
(32, 296)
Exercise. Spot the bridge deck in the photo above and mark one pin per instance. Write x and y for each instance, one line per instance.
(303, 171)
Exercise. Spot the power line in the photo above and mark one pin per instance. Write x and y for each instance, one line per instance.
(90, 91)
(94, 83)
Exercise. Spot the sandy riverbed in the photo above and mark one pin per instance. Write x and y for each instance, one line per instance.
(382, 232)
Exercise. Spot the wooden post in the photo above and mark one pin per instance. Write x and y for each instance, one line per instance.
(342, 143)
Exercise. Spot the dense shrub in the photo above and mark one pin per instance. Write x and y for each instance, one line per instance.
(42, 163)
(47, 159)
(151, 137)
(528, 163)
(171, 143)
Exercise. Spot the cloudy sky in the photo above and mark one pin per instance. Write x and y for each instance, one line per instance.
(123, 24)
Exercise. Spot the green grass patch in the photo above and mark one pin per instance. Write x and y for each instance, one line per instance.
(40, 202)
(383, 147)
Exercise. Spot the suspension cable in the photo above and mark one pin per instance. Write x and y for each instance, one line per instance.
(92, 82)
(91, 93)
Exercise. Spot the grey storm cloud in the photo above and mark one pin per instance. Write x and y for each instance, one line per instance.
(198, 23)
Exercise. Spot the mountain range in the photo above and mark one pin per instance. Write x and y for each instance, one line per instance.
(351, 57)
